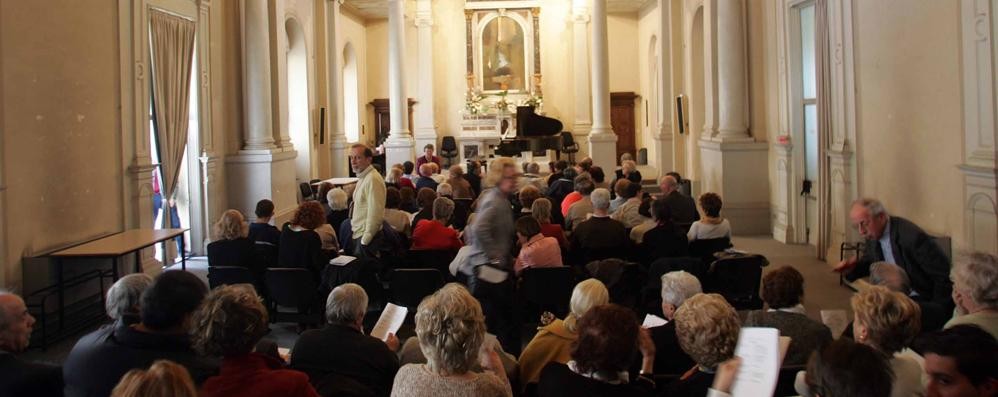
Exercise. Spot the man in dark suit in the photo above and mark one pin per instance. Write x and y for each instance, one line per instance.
(683, 208)
(18, 377)
(896, 240)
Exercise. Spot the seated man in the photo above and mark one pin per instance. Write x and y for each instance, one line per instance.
(123, 306)
(536, 250)
(682, 207)
(163, 334)
(578, 210)
(426, 178)
(783, 292)
(18, 377)
(960, 361)
(342, 348)
(670, 359)
(896, 279)
(896, 240)
(434, 234)
(600, 237)
(261, 231)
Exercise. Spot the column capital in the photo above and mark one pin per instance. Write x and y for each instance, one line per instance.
(424, 13)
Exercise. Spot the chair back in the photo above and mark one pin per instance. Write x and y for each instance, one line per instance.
(306, 191)
(228, 275)
(705, 249)
(291, 287)
(550, 288)
(429, 259)
(737, 279)
(410, 286)
(448, 143)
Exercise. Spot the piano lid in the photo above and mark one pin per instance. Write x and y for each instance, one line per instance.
(530, 124)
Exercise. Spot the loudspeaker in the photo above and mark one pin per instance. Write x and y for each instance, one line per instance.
(322, 125)
(680, 113)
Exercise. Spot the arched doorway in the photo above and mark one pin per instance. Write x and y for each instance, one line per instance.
(299, 128)
(351, 94)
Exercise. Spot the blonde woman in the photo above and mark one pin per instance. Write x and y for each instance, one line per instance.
(231, 246)
(163, 379)
(707, 327)
(450, 327)
(553, 342)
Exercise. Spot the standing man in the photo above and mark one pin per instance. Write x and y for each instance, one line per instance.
(427, 157)
(896, 240)
(368, 202)
(17, 377)
(683, 208)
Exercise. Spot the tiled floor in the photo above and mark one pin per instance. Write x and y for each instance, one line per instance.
(822, 290)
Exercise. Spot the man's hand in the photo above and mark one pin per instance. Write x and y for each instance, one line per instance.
(393, 342)
(726, 375)
(846, 265)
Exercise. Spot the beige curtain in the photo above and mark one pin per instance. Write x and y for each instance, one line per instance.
(823, 75)
(172, 49)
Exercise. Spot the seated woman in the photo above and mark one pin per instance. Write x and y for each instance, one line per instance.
(648, 223)
(450, 327)
(229, 323)
(301, 246)
(461, 186)
(609, 336)
(707, 327)
(628, 170)
(408, 200)
(425, 197)
(783, 292)
(541, 210)
(400, 220)
(553, 342)
(394, 179)
(536, 250)
(231, 247)
(887, 321)
(339, 204)
(322, 196)
(711, 225)
(975, 291)
(434, 234)
(627, 212)
(164, 378)
(665, 240)
(527, 195)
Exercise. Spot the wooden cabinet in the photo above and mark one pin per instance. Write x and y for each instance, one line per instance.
(622, 121)
(382, 121)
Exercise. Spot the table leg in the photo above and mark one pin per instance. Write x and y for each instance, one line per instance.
(138, 260)
(183, 258)
(62, 294)
(114, 268)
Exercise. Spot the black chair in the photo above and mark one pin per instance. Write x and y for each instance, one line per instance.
(569, 146)
(430, 259)
(306, 191)
(737, 279)
(410, 286)
(448, 149)
(228, 275)
(705, 249)
(549, 288)
(293, 287)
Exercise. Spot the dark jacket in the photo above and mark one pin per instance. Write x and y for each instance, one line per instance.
(94, 370)
(806, 335)
(257, 375)
(22, 378)
(694, 385)
(558, 380)
(344, 351)
(918, 254)
(670, 359)
(427, 182)
(235, 252)
(264, 232)
(301, 249)
(663, 241)
(600, 238)
(683, 208)
(335, 218)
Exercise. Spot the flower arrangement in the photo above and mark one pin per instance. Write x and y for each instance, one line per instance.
(534, 100)
(502, 105)
(473, 102)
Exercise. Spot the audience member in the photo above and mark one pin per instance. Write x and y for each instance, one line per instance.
(409, 203)
(163, 379)
(628, 170)
(683, 209)
(618, 194)
(339, 202)
(577, 208)
(975, 291)
(677, 287)
(847, 369)
(122, 305)
(783, 292)
(163, 333)
(461, 186)
(436, 175)
(627, 212)
(536, 250)
(368, 203)
(711, 225)
(427, 157)
(562, 187)
(321, 195)
(532, 176)
(557, 172)
(541, 210)
(445, 190)
(451, 328)
(961, 361)
(229, 324)
(894, 278)
(896, 240)
(435, 234)
(19, 377)
(400, 220)
(474, 177)
(425, 198)
(553, 342)
(608, 338)
(583, 166)
(598, 177)
(426, 178)
(526, 197)
(600, 237)
(394, 179)
(301, 245)
(231, 247)
(708, 328)
(261, 231)
(644, 209)
(408, 168)
(342, 350)
(665, 240)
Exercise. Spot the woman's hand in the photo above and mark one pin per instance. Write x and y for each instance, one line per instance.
(725, 377)
(647, 347)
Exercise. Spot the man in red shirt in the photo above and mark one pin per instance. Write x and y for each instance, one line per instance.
(427, 157)
(435, 234)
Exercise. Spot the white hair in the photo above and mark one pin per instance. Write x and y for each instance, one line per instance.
(669, 181)
(586, 295)
(976, 274)
(445, 189)
(125, 295)
(678, 286)
(884, 273)
(346, 304)
(600, 198)
(874, 206)
(337, 199)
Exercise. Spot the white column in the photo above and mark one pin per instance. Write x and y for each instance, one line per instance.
(662, 132)
(732, 72)
(399, 143)
(425, 129)
(256, 77)
(279, 64)
(334, 93)
(580, 61)
(602, 140)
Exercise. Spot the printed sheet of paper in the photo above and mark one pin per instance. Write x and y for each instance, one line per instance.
(285, 354)
(342, 260)
(390, 321)
(836, 320)
(652, 321)
(759, 350)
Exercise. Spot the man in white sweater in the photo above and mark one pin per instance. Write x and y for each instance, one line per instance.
(368, 202)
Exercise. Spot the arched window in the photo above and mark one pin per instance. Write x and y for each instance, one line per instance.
(351, 94)
(298, 125)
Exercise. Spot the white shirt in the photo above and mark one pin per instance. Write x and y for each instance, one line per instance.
(705, 231)
(885, 244)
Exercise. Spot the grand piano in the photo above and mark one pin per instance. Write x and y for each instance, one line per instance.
(534, 133)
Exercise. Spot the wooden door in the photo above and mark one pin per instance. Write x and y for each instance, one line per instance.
(382, 122)
(622, 121)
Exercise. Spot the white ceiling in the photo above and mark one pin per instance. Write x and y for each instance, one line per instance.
(378, 9)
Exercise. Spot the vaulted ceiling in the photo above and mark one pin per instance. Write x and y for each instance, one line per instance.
(378, 9)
